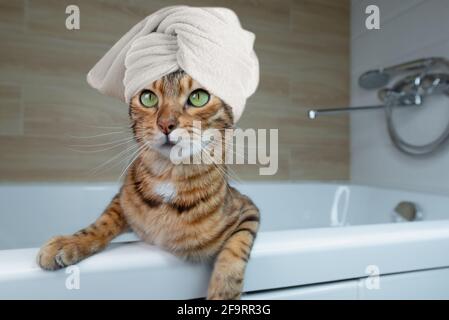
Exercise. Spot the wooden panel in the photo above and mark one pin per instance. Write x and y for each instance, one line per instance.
(319, 78)
(12, 15)
(311, 162)
(69, 110)
(102, 23)
(10, 110)
(47, 106)
(52, 158)
(32, 59)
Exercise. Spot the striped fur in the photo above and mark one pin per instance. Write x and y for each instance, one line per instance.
(190, 210)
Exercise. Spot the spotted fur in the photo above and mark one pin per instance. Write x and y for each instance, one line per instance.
(190, 210)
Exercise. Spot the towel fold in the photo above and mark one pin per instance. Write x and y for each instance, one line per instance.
(207, 43)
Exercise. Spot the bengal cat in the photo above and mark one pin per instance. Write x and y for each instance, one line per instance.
(187, 209)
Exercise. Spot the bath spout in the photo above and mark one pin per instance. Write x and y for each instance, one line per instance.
(407, 210)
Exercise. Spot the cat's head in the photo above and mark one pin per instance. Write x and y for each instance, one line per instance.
(173, 105)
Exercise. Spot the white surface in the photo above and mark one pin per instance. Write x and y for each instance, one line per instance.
(344, 290)
(409, 30)
(296, 245)
(428, 284)
(32, 213)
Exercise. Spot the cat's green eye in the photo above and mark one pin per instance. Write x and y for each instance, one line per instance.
(198, 98)
(148, 99)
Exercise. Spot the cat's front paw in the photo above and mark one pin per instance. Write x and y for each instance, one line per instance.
(225, 288)
(59, 252)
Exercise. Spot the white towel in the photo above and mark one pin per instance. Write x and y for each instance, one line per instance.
(207, 43)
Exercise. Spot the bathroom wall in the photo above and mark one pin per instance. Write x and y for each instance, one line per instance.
(46, 105)
(409, 30)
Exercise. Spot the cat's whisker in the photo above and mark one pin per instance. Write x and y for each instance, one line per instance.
(232, 175)
(205, 152)
(96, 136)
(127, 139)
(235, 152)
(100, 150)
(106, 127)
(225, 176)
(238, 154)
(137, 154)
(116, 157)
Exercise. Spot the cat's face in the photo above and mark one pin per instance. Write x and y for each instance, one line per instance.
(176, 103)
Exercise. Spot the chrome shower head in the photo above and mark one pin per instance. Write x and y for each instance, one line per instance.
(374, 79)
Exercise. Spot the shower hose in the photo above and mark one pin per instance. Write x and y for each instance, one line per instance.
(404, 146)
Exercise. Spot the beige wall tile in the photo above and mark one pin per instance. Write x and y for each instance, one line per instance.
(329, 162)
(12, 15)
(36, 53)
(29, 59)
(101, 23)
(11, 113)
(51, 158)
(61, 110)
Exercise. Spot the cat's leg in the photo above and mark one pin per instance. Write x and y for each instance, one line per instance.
(226, 282)
(62, 251)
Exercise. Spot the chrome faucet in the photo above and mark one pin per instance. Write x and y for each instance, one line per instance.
(407, 211)
(410, 91)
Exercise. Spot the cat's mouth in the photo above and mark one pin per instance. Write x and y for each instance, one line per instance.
(164, 148)
(167, 144)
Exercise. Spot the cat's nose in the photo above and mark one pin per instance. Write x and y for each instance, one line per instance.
(167, 125)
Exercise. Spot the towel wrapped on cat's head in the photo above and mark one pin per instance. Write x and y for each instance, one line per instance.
(207, 43)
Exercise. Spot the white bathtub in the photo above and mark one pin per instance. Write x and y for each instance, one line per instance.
(316, 241)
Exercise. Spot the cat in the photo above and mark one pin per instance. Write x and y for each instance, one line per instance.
(187, 209)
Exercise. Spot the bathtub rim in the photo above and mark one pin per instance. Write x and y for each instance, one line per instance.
(285, 252)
